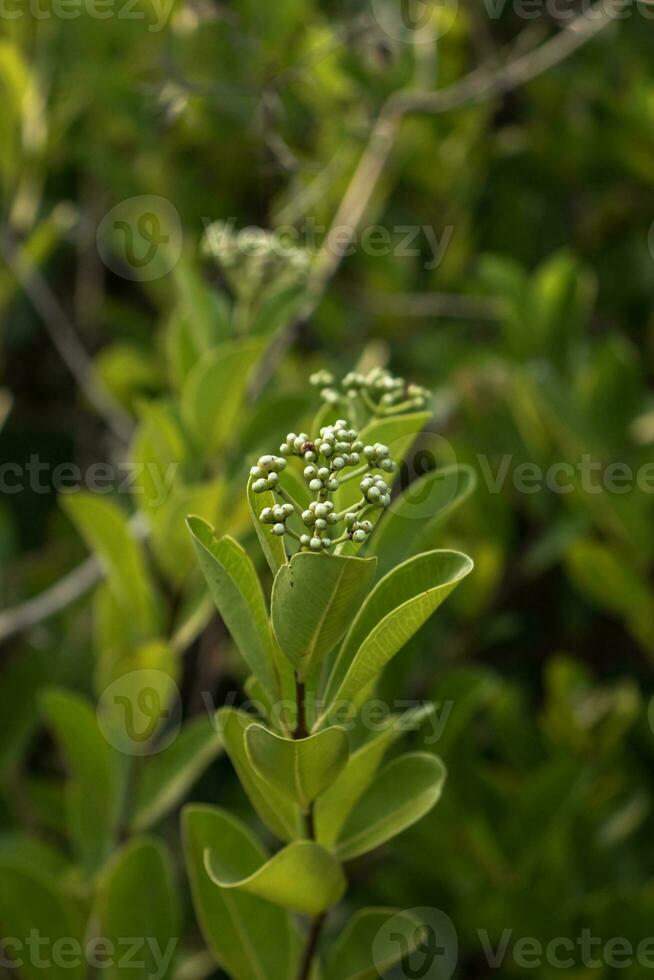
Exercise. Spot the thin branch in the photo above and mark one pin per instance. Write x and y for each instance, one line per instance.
(434, 305)
(484, 84)
(64, 338)
(311, 947)
(62, 594)
(480, 85)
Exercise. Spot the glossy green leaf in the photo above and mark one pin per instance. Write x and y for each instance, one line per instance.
(413, 519)
(314, 598)
(403, 792)
(236, 590)
(272, 546)
(214, 392)
(250, 938)
(333, 808)
(136, 898)
(303, 876)
(300, 768)
(275, 808)
(92, 789)
(396, 609)
(31, 899)
(166, 778)
(362, 950)
(105, 529)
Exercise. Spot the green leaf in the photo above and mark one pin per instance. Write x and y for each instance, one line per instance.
(167, 777)
(403, 792)
(105, 529)
(136, 898)
(396, 609)
(92, 790)
(236, 590)
(214, 392)
(249, 937)
(31, 899)
(351, 957)
(272, 546)
(314, 598)
(303, 876)
(300, 768)
(334, 807)
(274, 808)
(411, 522)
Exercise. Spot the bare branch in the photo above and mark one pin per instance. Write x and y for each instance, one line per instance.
(482, 84)
(485, 84)
(64, 338)
(434, 305)
(62, 594)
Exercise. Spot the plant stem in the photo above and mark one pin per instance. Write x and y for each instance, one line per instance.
(355, 473)
(301, 730)
(311, 947)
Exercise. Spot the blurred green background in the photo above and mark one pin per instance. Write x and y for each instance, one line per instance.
(514, 278)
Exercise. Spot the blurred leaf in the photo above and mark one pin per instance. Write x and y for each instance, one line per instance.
(136, 898)
(214, 392)
(351, 956)
(92, 789)
(106, 532)
(32, 900)
(166, 778)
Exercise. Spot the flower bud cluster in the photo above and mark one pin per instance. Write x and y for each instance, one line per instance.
(277, 516)
(376, 491)
(336, 455)
(266, 473)
(381, 392)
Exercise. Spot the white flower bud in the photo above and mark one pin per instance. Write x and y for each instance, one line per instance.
(279, 530)
(359, 536)
(315, 485)
(308, 517)
(315, 544)
(333, 484)
(259, 486)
